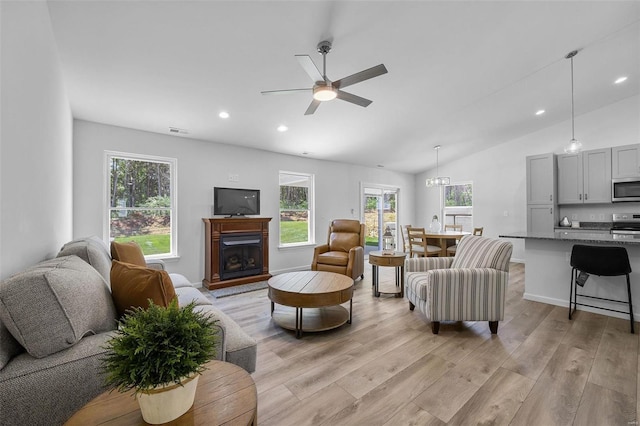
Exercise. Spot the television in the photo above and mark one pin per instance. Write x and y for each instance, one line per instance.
(236, 201)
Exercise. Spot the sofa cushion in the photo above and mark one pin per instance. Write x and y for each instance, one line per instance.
(128, 253)
(132, 286)
(9, 346)
(481, 252)
(338, 258)
(93, 251)
(52, 305)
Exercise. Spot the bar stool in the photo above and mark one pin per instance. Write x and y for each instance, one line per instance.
(601, 261)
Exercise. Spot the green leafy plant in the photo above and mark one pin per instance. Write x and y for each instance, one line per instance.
(159, 345)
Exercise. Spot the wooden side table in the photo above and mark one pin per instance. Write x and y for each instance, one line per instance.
(395, 259)
(226, 394)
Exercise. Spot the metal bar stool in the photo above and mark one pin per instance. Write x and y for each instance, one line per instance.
(601, 261)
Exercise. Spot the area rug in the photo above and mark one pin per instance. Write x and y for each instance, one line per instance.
(238, 289)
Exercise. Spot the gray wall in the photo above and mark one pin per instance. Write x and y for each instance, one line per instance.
(499, 173)
(35, 140)
(203, 165)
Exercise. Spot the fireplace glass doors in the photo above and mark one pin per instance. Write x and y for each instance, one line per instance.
(240, 255)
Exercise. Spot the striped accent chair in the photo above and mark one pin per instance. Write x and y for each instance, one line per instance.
(468, 287)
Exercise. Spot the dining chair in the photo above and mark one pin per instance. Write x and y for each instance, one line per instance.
(452, 248)
(405, 238)
(419, 244)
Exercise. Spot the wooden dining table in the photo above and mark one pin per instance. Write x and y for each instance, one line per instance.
(445, 239)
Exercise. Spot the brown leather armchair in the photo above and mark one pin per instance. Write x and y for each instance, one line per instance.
(344, 251)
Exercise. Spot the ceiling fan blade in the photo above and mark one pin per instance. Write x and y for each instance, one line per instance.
(311, 69)
(313, 106)
(360, 76)
(286, 91)
(349, 97)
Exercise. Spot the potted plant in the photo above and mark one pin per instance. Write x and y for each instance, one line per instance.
(160, 352)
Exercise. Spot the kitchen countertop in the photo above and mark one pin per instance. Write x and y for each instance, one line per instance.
(565, 234)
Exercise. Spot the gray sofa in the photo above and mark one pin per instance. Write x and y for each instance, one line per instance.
(55, 318)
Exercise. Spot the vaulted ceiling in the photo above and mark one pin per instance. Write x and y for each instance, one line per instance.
(464, 75)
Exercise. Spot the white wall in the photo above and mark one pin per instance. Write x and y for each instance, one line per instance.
(203, 165)
(35, 140)
(499, 174)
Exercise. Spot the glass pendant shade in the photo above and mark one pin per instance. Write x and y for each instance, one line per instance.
(438, 180)
(574, 147)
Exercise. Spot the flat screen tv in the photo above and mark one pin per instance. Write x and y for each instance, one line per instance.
(236, 202)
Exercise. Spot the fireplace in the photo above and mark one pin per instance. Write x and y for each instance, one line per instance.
(240, 255)
(236, 251)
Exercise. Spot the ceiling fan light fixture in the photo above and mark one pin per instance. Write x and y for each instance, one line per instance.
(324, 93)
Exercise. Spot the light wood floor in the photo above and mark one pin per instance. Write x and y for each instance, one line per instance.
(387, 368)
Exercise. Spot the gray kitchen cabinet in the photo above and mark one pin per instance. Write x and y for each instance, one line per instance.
(541, 193)
(541, 219)
(541, 179)
(625, 161)
(585, 178)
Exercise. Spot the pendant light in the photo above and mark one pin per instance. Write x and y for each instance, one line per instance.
(574, 145)
(438, 180)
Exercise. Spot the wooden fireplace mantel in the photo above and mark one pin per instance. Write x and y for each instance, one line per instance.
(213, 228)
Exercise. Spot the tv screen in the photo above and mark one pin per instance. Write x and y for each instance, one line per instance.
(236, 202)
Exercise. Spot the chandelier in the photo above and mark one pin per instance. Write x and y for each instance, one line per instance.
(438, 180)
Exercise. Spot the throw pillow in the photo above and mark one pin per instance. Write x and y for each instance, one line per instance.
(52, 305)
(132, 286)
(128, 253)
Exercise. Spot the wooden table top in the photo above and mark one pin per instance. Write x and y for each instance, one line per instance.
(310, 289)
(226, 393)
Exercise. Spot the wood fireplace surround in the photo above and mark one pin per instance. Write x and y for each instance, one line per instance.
(216, 230)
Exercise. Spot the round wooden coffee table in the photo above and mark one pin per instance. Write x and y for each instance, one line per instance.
(319, 293)
(226, 394)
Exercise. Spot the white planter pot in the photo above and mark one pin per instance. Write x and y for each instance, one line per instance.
(166, 403)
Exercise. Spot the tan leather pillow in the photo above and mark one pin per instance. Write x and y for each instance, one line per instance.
(132, 286)
(128, 253)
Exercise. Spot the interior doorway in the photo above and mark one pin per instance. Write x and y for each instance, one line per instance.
(379, 210)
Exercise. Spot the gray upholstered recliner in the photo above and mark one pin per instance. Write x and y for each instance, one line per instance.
(344, 251)
(468, 287)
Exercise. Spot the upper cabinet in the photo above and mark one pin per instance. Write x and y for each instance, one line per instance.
(585, 177)
(625, 161)
(541, 179)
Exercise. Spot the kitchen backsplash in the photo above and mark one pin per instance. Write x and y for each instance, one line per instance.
(596, 212)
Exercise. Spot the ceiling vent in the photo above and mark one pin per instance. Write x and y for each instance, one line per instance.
(177, 130)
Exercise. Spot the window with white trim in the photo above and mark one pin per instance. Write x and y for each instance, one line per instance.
(141, 202)
(458, 205)
(296, 209)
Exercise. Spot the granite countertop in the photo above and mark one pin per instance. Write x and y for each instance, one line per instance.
(579, 236)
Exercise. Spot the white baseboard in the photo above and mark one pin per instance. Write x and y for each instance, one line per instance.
(565, 303)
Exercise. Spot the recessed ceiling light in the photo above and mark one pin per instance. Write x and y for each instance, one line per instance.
(540, 112)
(282, 128)
(620, 80)
(223, 114)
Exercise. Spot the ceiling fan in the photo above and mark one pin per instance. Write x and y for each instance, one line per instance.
(325, 89)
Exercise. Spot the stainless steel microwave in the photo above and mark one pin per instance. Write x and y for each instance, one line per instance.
(625, 189)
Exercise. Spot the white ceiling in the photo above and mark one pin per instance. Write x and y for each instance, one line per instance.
(464, 75)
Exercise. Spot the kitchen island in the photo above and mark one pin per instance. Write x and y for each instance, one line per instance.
(548, 272)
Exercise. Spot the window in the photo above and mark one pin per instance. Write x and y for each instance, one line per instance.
(458, 205)
(296, 209)
(141, 200)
